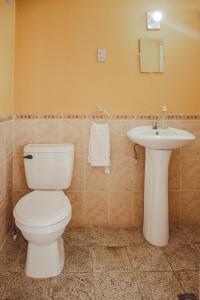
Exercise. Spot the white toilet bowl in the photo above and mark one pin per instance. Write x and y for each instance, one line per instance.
(42, 217)
(43, 214)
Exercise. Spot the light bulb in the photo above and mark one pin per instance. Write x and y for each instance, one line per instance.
(157, 16)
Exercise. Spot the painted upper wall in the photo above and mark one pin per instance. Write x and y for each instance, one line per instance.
(7, 16)
(56, 67)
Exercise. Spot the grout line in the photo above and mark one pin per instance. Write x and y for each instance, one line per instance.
(92, 263)
(49, 292)
(181, 184)
(190, 155)
(84, 173)
(167, 260)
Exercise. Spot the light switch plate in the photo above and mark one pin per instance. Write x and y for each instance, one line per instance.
(101, 54)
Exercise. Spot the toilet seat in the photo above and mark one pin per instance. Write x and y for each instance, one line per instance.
(42, 208)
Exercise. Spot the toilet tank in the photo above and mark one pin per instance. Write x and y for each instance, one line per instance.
(48, 166)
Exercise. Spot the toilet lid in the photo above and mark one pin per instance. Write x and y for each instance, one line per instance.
(42, 208)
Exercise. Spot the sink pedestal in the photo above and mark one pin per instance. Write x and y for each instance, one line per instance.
(156, 220)
(156, 223)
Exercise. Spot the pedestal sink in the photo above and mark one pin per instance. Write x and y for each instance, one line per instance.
(158, 144)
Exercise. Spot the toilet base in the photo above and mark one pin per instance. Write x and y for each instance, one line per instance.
(45, 261)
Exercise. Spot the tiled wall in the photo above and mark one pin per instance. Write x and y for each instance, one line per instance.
(6, 175)
(115, 199)
(99, 199)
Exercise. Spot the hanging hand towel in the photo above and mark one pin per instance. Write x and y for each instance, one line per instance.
(99, 146)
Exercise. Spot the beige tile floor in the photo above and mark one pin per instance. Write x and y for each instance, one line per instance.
(107, 263)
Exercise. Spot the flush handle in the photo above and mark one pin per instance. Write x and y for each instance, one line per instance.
(28, 156)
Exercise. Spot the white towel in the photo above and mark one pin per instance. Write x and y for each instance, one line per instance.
(99, 146)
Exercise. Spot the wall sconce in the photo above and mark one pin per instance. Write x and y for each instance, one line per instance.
(153, 19)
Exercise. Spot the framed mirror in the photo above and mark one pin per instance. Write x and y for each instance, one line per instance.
(151, 55)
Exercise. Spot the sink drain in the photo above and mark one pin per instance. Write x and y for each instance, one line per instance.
(187, 296)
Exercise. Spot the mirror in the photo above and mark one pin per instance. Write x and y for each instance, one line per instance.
(151, 55)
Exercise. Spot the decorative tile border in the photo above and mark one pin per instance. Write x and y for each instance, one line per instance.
(75, 116)
(6, 118)
(91, 116)
(50, 116)
(190, 117)
(175, 117)
(26, 116)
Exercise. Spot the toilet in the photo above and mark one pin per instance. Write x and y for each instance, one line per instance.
(43, 214)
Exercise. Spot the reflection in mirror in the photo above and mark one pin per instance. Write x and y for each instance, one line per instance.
(151, 55)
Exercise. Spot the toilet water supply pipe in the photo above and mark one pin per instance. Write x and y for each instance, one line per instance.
(14, 232)
(135, 155)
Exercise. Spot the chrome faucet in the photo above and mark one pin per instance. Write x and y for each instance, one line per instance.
(155, 125)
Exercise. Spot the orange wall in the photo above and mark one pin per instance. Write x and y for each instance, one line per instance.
(6, 57)
(56, 67)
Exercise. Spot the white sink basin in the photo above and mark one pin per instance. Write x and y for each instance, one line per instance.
(160, 139)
